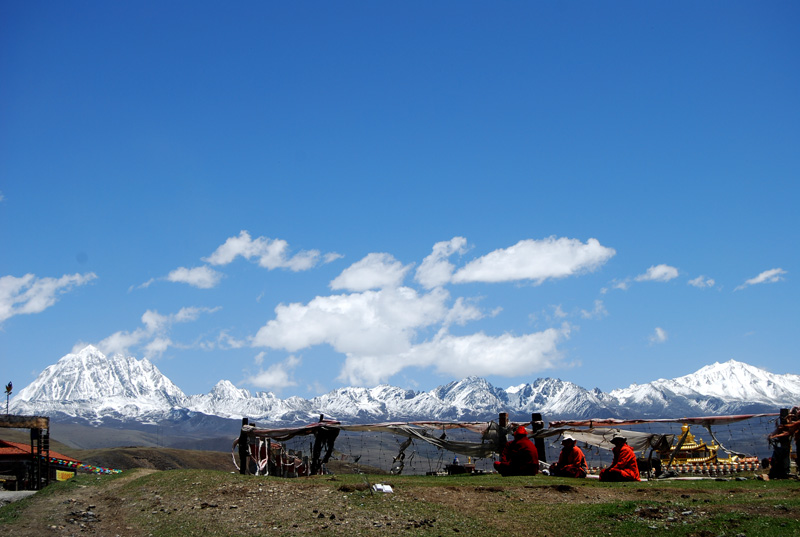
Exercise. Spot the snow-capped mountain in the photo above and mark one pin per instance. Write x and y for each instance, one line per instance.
(736, 381)
(227, 401)
(726, 388)
(555, 397)
(90, 386)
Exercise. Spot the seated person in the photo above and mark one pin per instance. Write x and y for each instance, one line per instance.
(623, 467)
(571, 462)
(519, 457)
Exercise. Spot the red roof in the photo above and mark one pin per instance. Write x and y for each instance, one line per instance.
(16, 449)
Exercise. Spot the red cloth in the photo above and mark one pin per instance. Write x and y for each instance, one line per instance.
(518, 458)
(623, 467)
(571, 463)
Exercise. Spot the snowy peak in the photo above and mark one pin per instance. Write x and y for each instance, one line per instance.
(729, 387)
(89, 375)
(226, 390)
(351, 401)
(734, 380)
(227, 401)
(89, 385)
(471, 393)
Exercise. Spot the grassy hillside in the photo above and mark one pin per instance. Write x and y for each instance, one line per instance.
(181, 503)
(126, 458)
(23, 436)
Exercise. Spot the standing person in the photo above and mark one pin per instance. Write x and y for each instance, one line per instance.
(624, 467)
(571, 461)
(519, 457)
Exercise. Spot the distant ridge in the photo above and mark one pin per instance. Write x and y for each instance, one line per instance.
(90, 387)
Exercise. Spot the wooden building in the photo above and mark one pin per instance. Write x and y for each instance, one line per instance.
(29, 467)
(18, 466)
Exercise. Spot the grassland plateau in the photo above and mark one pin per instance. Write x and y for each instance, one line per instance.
(180, 501)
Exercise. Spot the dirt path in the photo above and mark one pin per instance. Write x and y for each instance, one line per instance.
(84, 511)
(8, 496)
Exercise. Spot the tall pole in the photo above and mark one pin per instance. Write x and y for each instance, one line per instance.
(537, 425)
(780, 463)
(8, 395)
(244, 449)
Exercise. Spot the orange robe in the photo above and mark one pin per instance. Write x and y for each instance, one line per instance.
(518, 458)
(623, 467)
(571, 463)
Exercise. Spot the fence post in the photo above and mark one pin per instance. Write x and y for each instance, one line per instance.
(779, 465)
(537, 425)
(502, 437)
(244, 460)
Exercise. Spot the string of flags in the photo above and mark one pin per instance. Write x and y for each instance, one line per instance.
(84, 467)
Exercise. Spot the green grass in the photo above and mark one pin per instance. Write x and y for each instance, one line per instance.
(183, 503)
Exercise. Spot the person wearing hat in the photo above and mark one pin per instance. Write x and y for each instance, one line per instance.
(518, 457)
(571, 461)
(623, 467)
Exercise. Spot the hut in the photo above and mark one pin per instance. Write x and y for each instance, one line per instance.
(17, 463)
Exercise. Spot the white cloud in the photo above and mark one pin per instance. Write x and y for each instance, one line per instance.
(659, 336)
(157, 346)
(435, 269)
(768, 276)
(120, 342)
(536, 260)
(153, 336)
(658, 273)
(276, 376)
(475, 354)
(597, 312)
(201, 277)
(331, 257)
(382, 322)
(226, 341)
(376, 331)
(29, 294)
(270, 253)
(462, 312)
(702, 282)
(144, 285)
(375, 271)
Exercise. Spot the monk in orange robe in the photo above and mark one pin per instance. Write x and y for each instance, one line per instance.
(571, 461)
(623, 467)
(518, 457)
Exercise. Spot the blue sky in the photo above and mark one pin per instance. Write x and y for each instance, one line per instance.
(298, 196)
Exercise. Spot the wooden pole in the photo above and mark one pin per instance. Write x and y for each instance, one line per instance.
(779, 466)
(502, 438)
(269, 456)
(244, 460)
(677, 448)
(36, 455)
(46, 450)
(537, 425)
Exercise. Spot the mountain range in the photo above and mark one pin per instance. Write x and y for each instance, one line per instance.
(90, 388)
